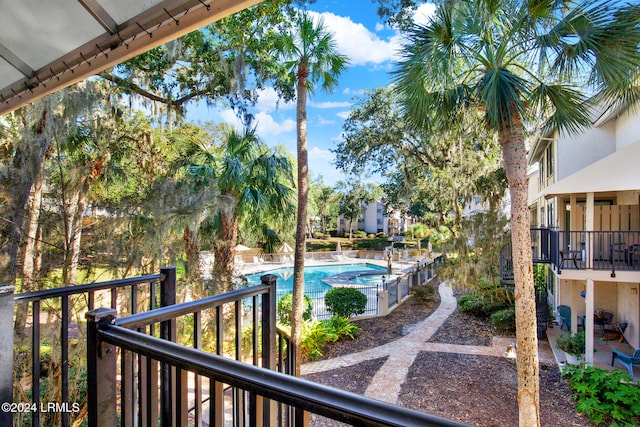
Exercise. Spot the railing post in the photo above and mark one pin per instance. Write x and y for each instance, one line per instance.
(168, 395)
(269, 407)
(101, 371)
(6, 351)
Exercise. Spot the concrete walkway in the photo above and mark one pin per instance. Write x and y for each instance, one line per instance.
(401, 353)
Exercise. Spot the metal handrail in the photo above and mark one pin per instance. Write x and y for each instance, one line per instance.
(79, 289)
(330, 402)
(171, 312)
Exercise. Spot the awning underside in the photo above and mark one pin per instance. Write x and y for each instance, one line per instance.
(47, 45)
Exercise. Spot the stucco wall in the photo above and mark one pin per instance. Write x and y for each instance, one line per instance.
(627, 129)
(628, 303)
(577, 152)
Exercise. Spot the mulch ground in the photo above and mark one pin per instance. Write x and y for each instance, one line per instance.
(478, 390)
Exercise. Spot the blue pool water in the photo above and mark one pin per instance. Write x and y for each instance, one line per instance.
(373, 279)
(312, 276)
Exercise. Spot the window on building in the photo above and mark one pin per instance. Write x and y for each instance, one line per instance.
(549, 156)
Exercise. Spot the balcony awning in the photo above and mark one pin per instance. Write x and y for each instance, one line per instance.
(616, 172)
(48, 45)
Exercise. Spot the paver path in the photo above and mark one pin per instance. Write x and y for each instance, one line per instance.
(401, 353)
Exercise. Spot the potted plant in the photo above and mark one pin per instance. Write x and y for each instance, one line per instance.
(572, 345)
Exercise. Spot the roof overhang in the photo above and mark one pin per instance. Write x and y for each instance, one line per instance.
(48, 45)
(616, 172)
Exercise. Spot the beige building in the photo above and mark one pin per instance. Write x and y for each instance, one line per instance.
(585, 190)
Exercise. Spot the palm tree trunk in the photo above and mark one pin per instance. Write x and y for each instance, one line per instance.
(303, 193)
(224, 253)
(192, 252)
(515, 163)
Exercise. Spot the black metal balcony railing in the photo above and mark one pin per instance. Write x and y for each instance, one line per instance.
(144, 293)
(578, 250)
(159, 377)
(599, 250)
(163, 379)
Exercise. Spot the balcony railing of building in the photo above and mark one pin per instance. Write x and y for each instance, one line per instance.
(48, 319)
(240, 325)
(578, 250)
(599, 250)
(221, 389)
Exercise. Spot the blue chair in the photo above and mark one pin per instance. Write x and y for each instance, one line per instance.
(628, 361)
(564, 311)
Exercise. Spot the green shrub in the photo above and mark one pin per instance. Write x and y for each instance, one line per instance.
(315, 335)
(380, 234)
(481, 305)
(464, 298)
(572, 343)
(345, 302)
(343, 327)
(504, 320)
(606, 397)
(359, 234)
(424, 293)
(285, 307)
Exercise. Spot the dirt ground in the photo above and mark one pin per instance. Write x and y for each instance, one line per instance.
(478, 390)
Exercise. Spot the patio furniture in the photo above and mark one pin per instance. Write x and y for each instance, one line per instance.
(602, 318)
(570, 255)
(616, 333)
(564, 312)
(628, 361)
(633, 256)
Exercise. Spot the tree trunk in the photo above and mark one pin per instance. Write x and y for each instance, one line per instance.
(76, 236)
(31, 258)
(26, 164)
(303, 193)
(224, 252)
(515, 163)
(192, 252)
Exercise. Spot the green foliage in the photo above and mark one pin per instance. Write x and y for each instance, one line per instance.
(285, 308)
(315, 335)
(572, 343)
(360, 234)
(423, 293)
(540, 277)
(343, 327)
(505, 320)
(481, 304)
(345, 302)
(606, 397)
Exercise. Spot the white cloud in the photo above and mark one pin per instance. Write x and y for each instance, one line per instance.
(330, 104)
(343, 114)
(265, 124)
(349, 91)
(357, 42)
(268, 101)
(424, 13)
(318, 153)
(379, 26)
(321, 121)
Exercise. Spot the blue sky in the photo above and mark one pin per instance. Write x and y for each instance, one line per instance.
(371, 48)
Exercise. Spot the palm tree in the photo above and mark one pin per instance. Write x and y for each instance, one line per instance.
(254, 184)
(518, 61)
(309, 52)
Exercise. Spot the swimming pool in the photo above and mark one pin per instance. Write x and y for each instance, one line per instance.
(313, 276)
(373, 279)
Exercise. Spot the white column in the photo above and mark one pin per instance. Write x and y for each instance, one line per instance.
(588, 321)
(589, 226)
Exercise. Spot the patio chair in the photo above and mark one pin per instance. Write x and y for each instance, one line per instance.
(603, 318)
(564, 312)
(628, 361)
